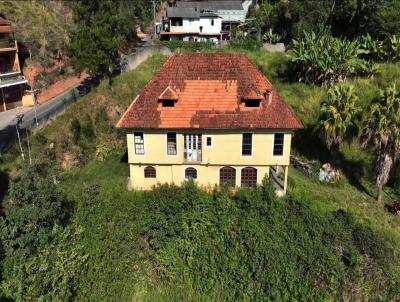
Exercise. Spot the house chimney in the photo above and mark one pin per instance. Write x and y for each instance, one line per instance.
(269, 96)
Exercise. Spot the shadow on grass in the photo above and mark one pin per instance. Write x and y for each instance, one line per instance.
(4, 183)
(124, 157)
(310, 145)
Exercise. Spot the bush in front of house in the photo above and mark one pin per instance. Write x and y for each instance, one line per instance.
(250, 245)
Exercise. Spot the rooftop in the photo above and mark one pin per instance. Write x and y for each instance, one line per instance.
(212, 4)
(209, 91)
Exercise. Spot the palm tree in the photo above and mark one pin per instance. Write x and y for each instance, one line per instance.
(339, 114)
(382, 130)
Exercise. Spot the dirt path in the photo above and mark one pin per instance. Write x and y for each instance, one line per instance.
(58, 87)
(31, 72)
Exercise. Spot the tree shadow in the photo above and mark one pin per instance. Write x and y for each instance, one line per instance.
(354, 171)
(310, 145)
(124, 157)
(4, 184)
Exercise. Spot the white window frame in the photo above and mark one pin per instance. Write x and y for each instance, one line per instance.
(166, 143)
(273, 145)
(209, 136)
(252, 144)
(134, 144)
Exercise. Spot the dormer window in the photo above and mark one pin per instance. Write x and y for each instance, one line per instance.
(168, 103)
(252, 99)
(168, 97)
(252, 103)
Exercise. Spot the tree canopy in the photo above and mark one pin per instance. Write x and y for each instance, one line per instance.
(98, 34)
(382, 130)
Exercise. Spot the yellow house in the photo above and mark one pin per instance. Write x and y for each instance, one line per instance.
(213, 118)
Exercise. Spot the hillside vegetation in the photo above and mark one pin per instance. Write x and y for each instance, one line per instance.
(322, 242)
(42, 26)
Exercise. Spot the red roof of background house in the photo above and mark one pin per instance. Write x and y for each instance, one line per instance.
(5, 26)
(210, 89)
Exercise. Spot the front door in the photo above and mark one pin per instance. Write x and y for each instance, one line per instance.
(192, 147)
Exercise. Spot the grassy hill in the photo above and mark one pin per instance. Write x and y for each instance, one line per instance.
(323, 242)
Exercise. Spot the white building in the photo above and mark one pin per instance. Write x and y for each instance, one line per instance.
(208, 20)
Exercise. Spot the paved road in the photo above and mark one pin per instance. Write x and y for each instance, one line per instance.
(31, 118)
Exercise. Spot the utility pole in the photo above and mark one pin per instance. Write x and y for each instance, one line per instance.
(154, 16)
(29, 147)
(19, 119)
(34, 104)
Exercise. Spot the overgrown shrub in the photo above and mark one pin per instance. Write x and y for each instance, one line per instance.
(76, 130)
(270, 37)
(371, 49)
(247, 43)
(42, 256)
(322, 59)
(252, 246)
(393, 46)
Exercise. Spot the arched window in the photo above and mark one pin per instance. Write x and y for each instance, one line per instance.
(149, 172)
(249, 177)
(190, 173)
(227, 176)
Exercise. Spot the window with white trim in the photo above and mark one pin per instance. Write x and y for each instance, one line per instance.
(138, 140)
(171, 143)
(247, 144)
(278, 144)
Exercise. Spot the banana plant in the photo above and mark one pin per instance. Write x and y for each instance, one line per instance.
(367, 68)
(371, 49)
(322, 59)
(394, 48)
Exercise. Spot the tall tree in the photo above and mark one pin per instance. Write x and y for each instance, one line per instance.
(97, 35)
(339, 114)
(382, 130)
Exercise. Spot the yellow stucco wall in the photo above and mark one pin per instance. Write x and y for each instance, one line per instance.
(207, 176)
(28, 98)
(226, 150)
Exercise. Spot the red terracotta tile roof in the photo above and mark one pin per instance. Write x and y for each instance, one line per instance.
(253, 95)
(210, 89)
(168, 94)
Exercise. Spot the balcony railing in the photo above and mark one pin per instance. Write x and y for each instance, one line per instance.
(8, 68)
(7, 43)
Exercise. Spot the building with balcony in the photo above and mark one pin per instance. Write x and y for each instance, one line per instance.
(213, 118)
(14, 89)
(204, 21)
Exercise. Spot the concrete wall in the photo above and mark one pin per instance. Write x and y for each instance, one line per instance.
(226, 150)
(142, 54)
